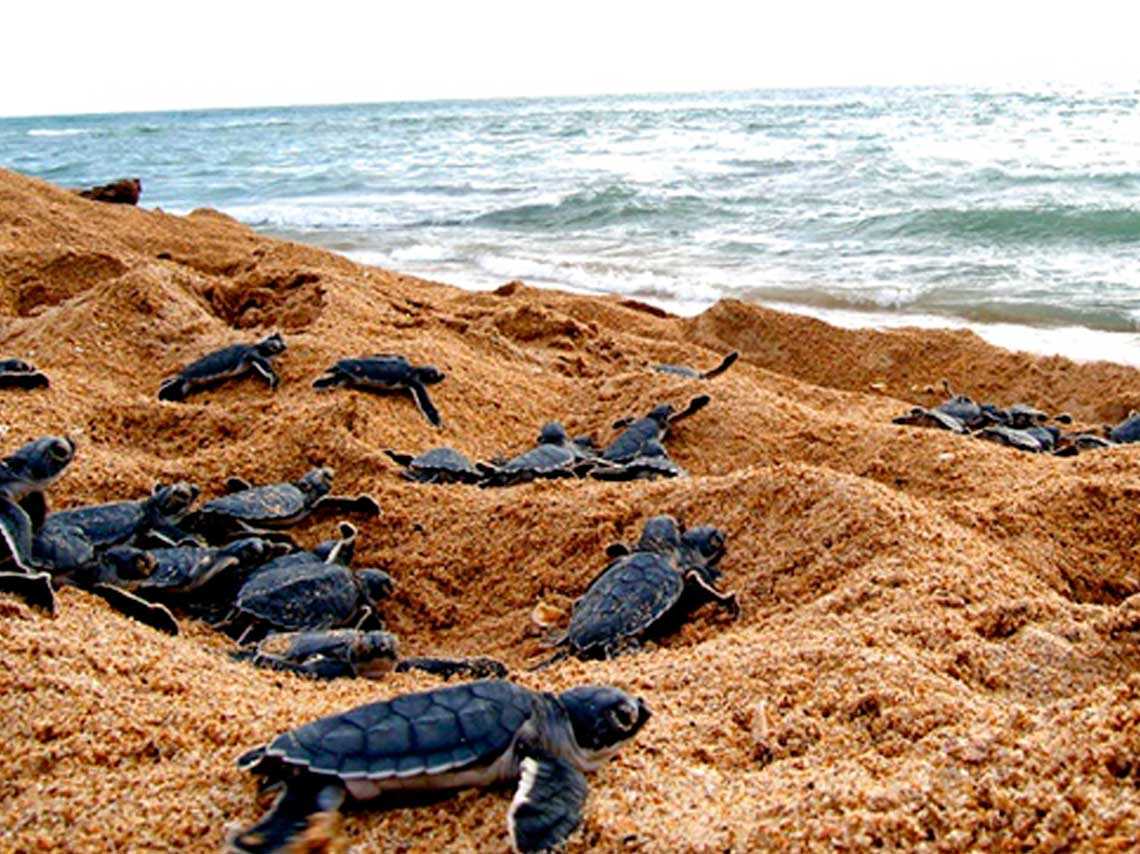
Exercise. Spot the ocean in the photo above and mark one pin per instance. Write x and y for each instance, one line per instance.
(1015, 212)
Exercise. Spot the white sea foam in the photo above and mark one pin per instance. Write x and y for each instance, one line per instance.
(58, 131)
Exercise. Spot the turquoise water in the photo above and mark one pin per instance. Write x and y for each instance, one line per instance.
(961, 204)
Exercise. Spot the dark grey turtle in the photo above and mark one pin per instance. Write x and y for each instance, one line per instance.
(16, 373)
(331, 654)
(556, 455)
(24, 475)
(653, 427)
(690, 373)
(384, 373)
(1022, 416)
(256, 510)
(1023, 440)
(304, 591)
(439, 465)
(1047, 435)
(920, 416)
(153, 518)
(471, 734)
(652, 463)
(648, 589)
(228, 363)
(183, 570)
(1127, 430)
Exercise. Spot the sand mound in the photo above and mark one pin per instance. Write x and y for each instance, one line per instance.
(937, 649)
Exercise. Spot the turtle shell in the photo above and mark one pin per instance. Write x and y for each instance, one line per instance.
(104, 524)
(632, 594)
(444, 730)
(387, 372)
(540, 460)
(962, 408)
(180, 568)
(218, 365)
(630, 443)
(447, 460)
(303, 594)
(277, 503)
(1127, 430)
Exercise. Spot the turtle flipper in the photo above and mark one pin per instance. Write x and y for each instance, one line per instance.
(398, 458)
(365, 504)
(330, 379)
(16, 532)
(695, 405)
(35, 505)
(423, 401)
(33, 588)
(173, 389)
(128, 604)
(236, 484)
(548, 803)
(263, 368)
(304, 815)
(724, 365)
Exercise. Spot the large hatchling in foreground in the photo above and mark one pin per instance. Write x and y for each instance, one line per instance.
(474, 734)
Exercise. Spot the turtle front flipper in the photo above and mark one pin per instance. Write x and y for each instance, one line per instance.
(725, 363)
(303, 817)
(33, 588)
(236, 484)
(151, 614)
(364, 504)
(262, 367)
(423, 402)
(398, 458)
(331, 378)
(695, 405)
(16, 530)
(547, 806)
(173, 389)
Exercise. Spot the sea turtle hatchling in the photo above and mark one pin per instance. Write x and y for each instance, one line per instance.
(653, 427)
(249, 510)
(227, 363)
(653, 462)
(1127, 430)
(471, 734)
(24, 475)
(16, 373)
(693, 374)
(385, 373)
(438, 465)
(153, 518)
(556, 455)
(302, 591)
(182, 570)
(646, 589)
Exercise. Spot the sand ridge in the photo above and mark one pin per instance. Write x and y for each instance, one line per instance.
(939, 643)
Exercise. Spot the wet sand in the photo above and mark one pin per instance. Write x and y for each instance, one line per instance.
(939, 640)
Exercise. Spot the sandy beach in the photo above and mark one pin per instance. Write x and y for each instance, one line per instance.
(938, 648)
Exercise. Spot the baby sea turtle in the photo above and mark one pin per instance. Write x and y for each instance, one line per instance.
(227, 363)
(556, 455)
(154, 518)
(24, 475)
(685, 371)
(182, 570)
(652, 463)
(920, 416)
(330, 654)
(383, 373)
(471, 734)
(646, 590)
(302, 591)
(255, 510)
(653, 427)
(1127, 430)
(439, 465)
(16, 373)
(1023, 440)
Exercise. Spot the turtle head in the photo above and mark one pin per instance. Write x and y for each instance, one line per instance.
(703, 545)
(316, 482)
(603, 719)
(252, 551)
(660, 534)
(374, 653)
(271, 345)
(661, 414)
(128, 564)
(174, 500)
(35, 465)
(429, 374)
(375, 583)
(552, 433)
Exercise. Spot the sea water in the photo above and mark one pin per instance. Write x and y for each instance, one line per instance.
(1013, 211)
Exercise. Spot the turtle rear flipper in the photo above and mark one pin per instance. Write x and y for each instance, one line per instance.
(16, 532)
(306, 814)
(332, 378)
(128, 604)
(547, 806)
(725, 363)
(424, 404)
(33, 588)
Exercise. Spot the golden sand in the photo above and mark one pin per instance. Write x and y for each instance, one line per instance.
(936, 649)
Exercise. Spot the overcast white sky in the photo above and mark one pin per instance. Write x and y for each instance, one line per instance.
(122, 56)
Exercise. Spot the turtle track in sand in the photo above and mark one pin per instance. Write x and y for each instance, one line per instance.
(937, 649)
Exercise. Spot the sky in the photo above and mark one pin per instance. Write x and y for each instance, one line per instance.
(66, 57)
